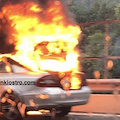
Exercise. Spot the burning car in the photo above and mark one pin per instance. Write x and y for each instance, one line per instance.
(42, 37)
(22, 90)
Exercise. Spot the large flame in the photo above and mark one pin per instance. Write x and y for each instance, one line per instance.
(44, 38)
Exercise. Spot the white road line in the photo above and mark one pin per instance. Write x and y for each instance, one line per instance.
(94, 114)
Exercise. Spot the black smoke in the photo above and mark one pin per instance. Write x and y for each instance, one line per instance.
(5, 47)
(8, 2)
(5, 33)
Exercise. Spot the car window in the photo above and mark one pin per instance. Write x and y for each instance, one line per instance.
(47, 81)
(18, 69)
(4, 67)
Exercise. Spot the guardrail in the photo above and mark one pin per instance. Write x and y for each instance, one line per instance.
(104, 85)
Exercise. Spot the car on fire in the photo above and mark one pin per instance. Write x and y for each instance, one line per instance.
(22, 90)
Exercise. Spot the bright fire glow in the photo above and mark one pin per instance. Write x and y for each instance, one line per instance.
(34, 113)
(42, 96)
(44, 38)
(40, 112)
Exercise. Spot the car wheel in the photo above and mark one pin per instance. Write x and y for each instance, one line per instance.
(9, 106)
(63, 111)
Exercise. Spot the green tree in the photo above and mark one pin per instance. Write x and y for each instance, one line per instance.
(92, 43)
(96, 45)
(95, 48)
(117, 11)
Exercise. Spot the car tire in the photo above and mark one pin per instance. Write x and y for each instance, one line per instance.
(62, 111)
(10, 109)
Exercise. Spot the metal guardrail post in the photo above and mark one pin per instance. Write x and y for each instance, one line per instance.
(106, 51)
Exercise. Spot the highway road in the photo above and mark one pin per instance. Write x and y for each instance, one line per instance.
(73, 116)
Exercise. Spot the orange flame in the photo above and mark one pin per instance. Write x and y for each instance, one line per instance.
(44, 37)
(40, 112)
(33, 29)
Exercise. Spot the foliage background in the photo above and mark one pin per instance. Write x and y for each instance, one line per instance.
(92, 42)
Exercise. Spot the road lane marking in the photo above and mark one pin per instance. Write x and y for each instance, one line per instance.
(94, 114)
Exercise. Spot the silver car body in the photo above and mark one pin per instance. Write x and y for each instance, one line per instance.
(35, 97)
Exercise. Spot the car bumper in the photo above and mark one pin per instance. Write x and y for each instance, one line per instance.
(56, 97)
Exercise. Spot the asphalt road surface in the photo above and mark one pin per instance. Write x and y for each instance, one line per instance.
(73, 116)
